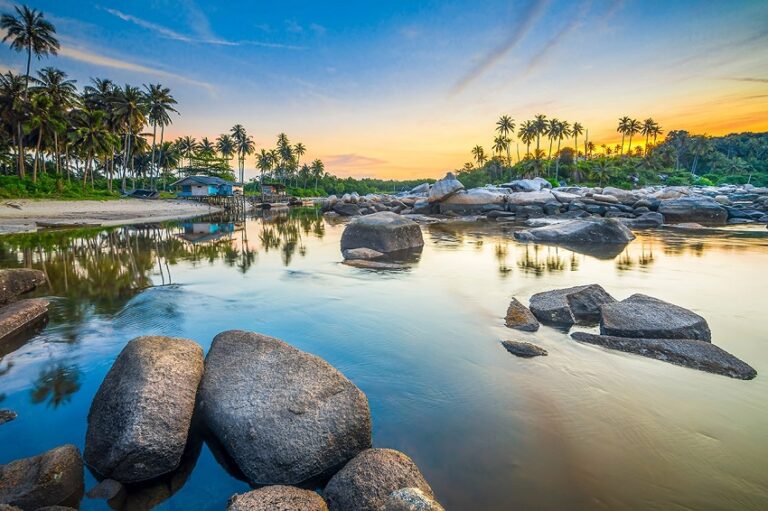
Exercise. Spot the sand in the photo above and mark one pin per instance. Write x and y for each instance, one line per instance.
(21, 215)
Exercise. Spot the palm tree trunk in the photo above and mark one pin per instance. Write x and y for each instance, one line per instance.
(56, 149)
(87, 167)
(152, 164)
(629, 152)
(162, 132)
(37, 154)
(29, 64)
(22, 172)
(557, 162)
(621, 152)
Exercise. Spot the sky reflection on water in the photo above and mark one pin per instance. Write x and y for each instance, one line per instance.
(583, 428)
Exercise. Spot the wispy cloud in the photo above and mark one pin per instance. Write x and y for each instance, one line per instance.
(206, 39)
(526, 22)
(353, 161)
(749, 79)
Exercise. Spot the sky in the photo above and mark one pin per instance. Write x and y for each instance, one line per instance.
(404, 89)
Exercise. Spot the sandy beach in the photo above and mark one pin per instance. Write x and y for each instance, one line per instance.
(21, 215)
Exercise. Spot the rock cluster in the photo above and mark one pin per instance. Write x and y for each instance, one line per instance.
(17, 316)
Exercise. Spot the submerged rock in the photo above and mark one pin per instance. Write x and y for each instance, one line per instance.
(367, 481)
(645, 316)
(692, 353)
(444, 188)
(362, 253)
(606, 231)
(523, 349)
(18, 316)
(520, 318)
(7, 416)
(568, 306)
(140, 417)
(698, 209)
(283, 415)
(647, 220)
(384, 232)
(17, 281)
(277, 498)
(52, 478)
(374, 265)
(411, 499)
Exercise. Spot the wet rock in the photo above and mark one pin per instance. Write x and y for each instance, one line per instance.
(523, 349)
(277, 498)
(140, 418)
(109, 490)
(346, 209)
(283, 415)
(7, 416)
(603, 231)
(366, 482)
(692, 353)
(520, 318)
(411, 499)
(647, 220)
(568, 306)
(698, 209)
(444, 188)
(20, 315)
(475, 201)
(52, 478)
(645, 316)
(17, 281)
(374, 265)
(362, 253)
(384, 232)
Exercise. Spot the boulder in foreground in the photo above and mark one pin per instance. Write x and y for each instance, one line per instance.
(52, 478)
(444, 188)
(691, 353)
(366, 482)
(17, 281)
(277, 498)
(645, 316)
(411, 499)
(20, 315)
(523, 349)
(571, 305)
(520, 318)
(384, 232)
(603, 231)
(140, 417)
(284, 416)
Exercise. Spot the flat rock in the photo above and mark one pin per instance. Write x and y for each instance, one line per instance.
(692, 353)
(528, 185)
(17, 281)
(605, 231)
(362, 253)
(22, 314)
(531, 198)
(277, 498)
(139, 420)
(645, 316)
(284, 416)
(444, 188)
(7, 416)
(566, 307)
(520, 318)
(52, 478)
(648, 220)
(524, 349)
(411, 499)
(366, 482)
(374, 265)
(698, 209)
(384, 232)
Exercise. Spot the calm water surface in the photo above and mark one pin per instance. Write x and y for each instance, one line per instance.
(584, 428)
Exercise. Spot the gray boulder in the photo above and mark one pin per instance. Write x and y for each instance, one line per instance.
(52, 478)
(523, 349)
(520, 318)
(346, 209)
(17, 281)
(645, 316)
(589, 231)
(444, 188)
(697, 209)
(411, 499)
(474, 201)
(566, 307)
(384, 232)
(282, 415)
(528, 185)
(139, 420)
(422, 188)
(366, 482)
(277, 498)
(692, 353)
(20, 315)
(648, 220)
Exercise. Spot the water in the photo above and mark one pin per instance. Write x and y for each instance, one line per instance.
(584, 428)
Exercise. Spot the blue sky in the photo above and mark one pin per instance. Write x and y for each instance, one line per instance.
(404, 88)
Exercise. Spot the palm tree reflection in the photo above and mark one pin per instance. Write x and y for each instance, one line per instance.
(55, 386)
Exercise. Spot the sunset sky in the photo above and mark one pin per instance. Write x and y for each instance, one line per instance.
(405, 89)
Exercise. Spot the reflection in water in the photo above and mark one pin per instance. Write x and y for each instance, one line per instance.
(56, 385)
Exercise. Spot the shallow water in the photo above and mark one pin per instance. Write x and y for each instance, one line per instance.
(583, 428)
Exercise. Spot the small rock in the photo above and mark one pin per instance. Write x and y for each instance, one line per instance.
(7, 416)
(520, 318)
(20, 315)
(645, 316)
(411, 499)
(17, 281)
(523, 349)
(52, 478)
(362, 253)
(277, 498)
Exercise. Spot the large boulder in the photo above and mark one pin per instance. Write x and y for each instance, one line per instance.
(140, 417)
(648, 220)
(520, 318)
(411, 499)
(284, 416)
(366, 482)
(384, 232)
(528, 185)
(52, 478)
(17, 281)
(588, 231)
(17, 316)
(692, 353)
(532, 198)
(444, 188)
(566, 307)
(420, 189)
(645, 316)
(698, 209)
(277, 498)
(346, 209)
(474, 201)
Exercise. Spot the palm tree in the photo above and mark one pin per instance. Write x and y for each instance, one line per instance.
(159, 104)
(622, 128)
(42, 118)
(590, 149)
(540, 126)
(504, 126)
(563, 131)
(225, 145)
(63, 94)
(130, 106)
(603, 170)
(29, 31)
(552, 131)
(478, 153)
(187, 147)
(633, 128)
(299, 151)
(527, 133)
(318, 169)
(92, 137)
(576, 130)
(12, 94)
(206, 148)
(264, 162)
(240, 138)
(700, 145)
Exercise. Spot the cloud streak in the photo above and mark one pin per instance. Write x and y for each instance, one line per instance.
(526, 22)
(356, 161)
(749, 79)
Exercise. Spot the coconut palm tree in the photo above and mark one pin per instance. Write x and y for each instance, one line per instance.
(299, 150)
(63, 94)
(13, 112)
(527, 133)
(478, 153)
(159, 107)
(42, 119)
(576, 130)
(30, 31)
(563, 131)
(318, 169)
(264, 162)
(225, 145)
(91, 136)
(506, 125)
(239, 136)
(540, 126)
(633, 128)
(187, 147)
(206, 148)
(622, 128)
(130, 107)
(553, 131)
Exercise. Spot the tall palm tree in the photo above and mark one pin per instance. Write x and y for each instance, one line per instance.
(577, 129)
(552, 132)
(206, 149)
(130, 106)
(225, 145)
(13, 112)
(299, 150)
(563, 131)
(318, 169)
(30, 31)
(92, 137)
(527, 133)
(42, 119)
(159, 107)
(63, 94)
(187, 147)
(478, 153)
(622, 128)
(540, 126)
(633, 128)
(240, 137)
(264, 162)
(506, 125)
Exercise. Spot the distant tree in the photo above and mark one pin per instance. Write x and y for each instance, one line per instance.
(504, 126)
(30, 31)
(622, 128)
(478, 153)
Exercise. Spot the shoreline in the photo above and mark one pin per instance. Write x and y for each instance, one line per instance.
(23, 215)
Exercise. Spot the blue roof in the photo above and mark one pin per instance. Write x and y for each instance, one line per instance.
(202, 180)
